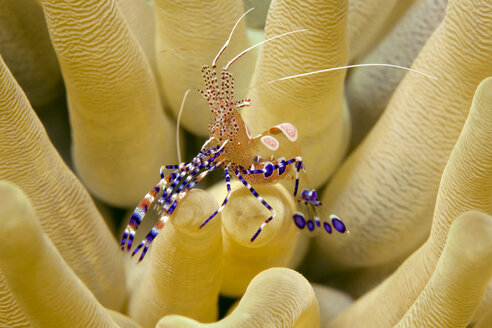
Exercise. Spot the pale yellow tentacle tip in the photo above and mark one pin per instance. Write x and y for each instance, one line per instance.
(196, 208)
(483, 93)
(244, 214)
(185, 270)
(455, 289)
(470, 236)
(37, 275)
(277, 297)
(174, 320)
(274, 246)
(16, 220)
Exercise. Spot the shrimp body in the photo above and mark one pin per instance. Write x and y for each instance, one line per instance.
(243, 152)
(253, 160)
(263, 159)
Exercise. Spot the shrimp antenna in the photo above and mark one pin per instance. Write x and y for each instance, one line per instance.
(229, 39)
(172, 49)
(259, 44)
(178, 121)
(345, 67)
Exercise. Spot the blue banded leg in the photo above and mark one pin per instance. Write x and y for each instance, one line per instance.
(171, 204)
(270, 168)
(179, 196)
(166, 193)
(150, 237)
(191, 180)
(172, 200)
(196, 162)
(138, 215)
(183, 168)
(228, 185)
(168, 209)
(142, 208)
(176, 177)
(173, 178)
(281, 167)
(172, 167)
(170, 195)
(144, 205)
(208, 164)
(247, 185)
(199, 165)
(299, 166)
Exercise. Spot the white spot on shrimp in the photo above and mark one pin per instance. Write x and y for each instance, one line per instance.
(248, 133)
(270, 142)
(289, 130)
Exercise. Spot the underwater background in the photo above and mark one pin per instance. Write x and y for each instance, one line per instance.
(89, 95)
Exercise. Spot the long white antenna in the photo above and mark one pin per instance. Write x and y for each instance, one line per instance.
(345, 67)
(259, 44)
(229, 39)
(178, 121)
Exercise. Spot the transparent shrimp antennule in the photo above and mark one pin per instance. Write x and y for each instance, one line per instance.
(342, 68)
(214, 62)
(245, 51)
(178, 121)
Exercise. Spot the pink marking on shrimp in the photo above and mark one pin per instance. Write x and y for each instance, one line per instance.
(289, 130)
(270, 142)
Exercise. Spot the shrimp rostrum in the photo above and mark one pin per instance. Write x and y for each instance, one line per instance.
(263, 159)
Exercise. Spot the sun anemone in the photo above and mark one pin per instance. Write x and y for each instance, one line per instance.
(406, 160)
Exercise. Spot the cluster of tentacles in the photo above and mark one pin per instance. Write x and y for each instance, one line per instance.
(414, 189)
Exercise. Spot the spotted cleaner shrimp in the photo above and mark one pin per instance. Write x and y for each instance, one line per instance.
(252, 160)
